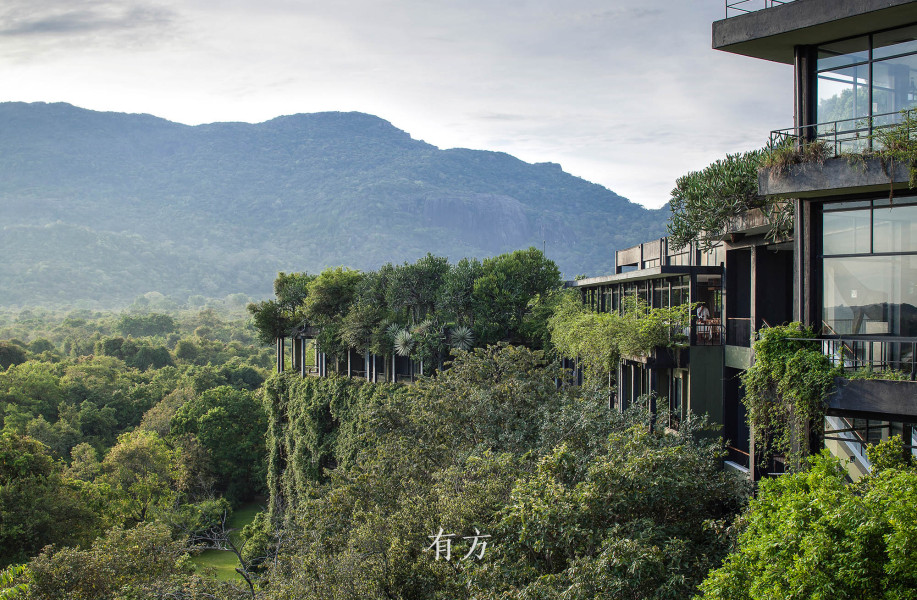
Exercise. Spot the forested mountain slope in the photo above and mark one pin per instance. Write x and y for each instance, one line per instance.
(105, 206)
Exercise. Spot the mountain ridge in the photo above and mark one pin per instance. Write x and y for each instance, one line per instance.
(297, 192)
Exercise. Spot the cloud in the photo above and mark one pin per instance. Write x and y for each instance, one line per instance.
(82, 21)
(32, 29)
(627, 94)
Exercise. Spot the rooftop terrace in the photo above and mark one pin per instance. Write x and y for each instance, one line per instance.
(770, 29)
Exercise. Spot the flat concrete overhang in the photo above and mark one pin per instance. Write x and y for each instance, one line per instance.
(772, 33)
(747, 223)
(643, 274)
(834, 177)
(875, 399)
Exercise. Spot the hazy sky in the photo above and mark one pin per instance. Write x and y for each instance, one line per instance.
(624, 93)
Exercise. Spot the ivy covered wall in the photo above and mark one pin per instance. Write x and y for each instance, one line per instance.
(314, 424)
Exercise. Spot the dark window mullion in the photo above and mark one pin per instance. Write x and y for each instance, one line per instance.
(872, 220)
(869, 120)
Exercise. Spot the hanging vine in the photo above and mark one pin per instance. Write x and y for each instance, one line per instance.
(599, 340)
(786, 390)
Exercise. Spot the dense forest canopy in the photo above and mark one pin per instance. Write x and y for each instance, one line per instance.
(152, 428)
(421, 309)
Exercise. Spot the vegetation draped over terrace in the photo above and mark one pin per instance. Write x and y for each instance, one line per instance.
(703, 202)
(598, 340)
(579, 502)
(786, 390)
(422, 309)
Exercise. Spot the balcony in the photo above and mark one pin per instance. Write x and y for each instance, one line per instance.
(874, 353)
(771, 30)
(835, 158)
(856, 135)
(892, 398)
(735, 8)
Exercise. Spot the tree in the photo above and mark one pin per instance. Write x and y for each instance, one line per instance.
(812, 535)
(275, 318)
(270, 319)
(144, 325)
(37, 505)
(11, 354)
(414, 287)
(230, 425)
(31, 389)
(456, 298)
(703, 201)
(330, 297)
(291, 291)
(141, 471)
(505, 289)
(644, 519)
(142, 563)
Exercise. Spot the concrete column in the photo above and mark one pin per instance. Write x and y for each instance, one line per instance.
(302, 360)
(753, 296)
(281, 353)
(804, 84)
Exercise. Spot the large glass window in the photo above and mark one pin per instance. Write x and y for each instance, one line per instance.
(843, 95)
(895, 42)
(867, 76)
(871, 295)
(642, 289)
(895, 229)
(847, 231)
(843, 53)
(869, 266)
(680, 293)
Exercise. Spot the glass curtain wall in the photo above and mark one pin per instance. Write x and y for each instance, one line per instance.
(657, 293)
(868, 76)
(869, 266)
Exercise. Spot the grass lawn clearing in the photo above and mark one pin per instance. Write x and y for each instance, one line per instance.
(224, 562)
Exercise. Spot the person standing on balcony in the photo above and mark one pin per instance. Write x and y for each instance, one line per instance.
(703, 315)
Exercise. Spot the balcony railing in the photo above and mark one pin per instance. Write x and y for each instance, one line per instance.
(709, 333)
(845, 136)
(875, 353)
(734, 8)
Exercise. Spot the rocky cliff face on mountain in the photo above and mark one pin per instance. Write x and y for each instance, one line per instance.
(102, 207)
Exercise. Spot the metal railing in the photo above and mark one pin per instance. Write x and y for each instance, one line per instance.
(735, 8)
(874, 353)
(710, 333)
(844, 136)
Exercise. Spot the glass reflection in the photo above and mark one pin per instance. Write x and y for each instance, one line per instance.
(895, 229)
(897, 41)
(843, 53)
(870, 295)
(843, 95)
(894, 87)
(846, 232)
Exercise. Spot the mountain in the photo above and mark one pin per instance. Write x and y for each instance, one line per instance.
(102, 207)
